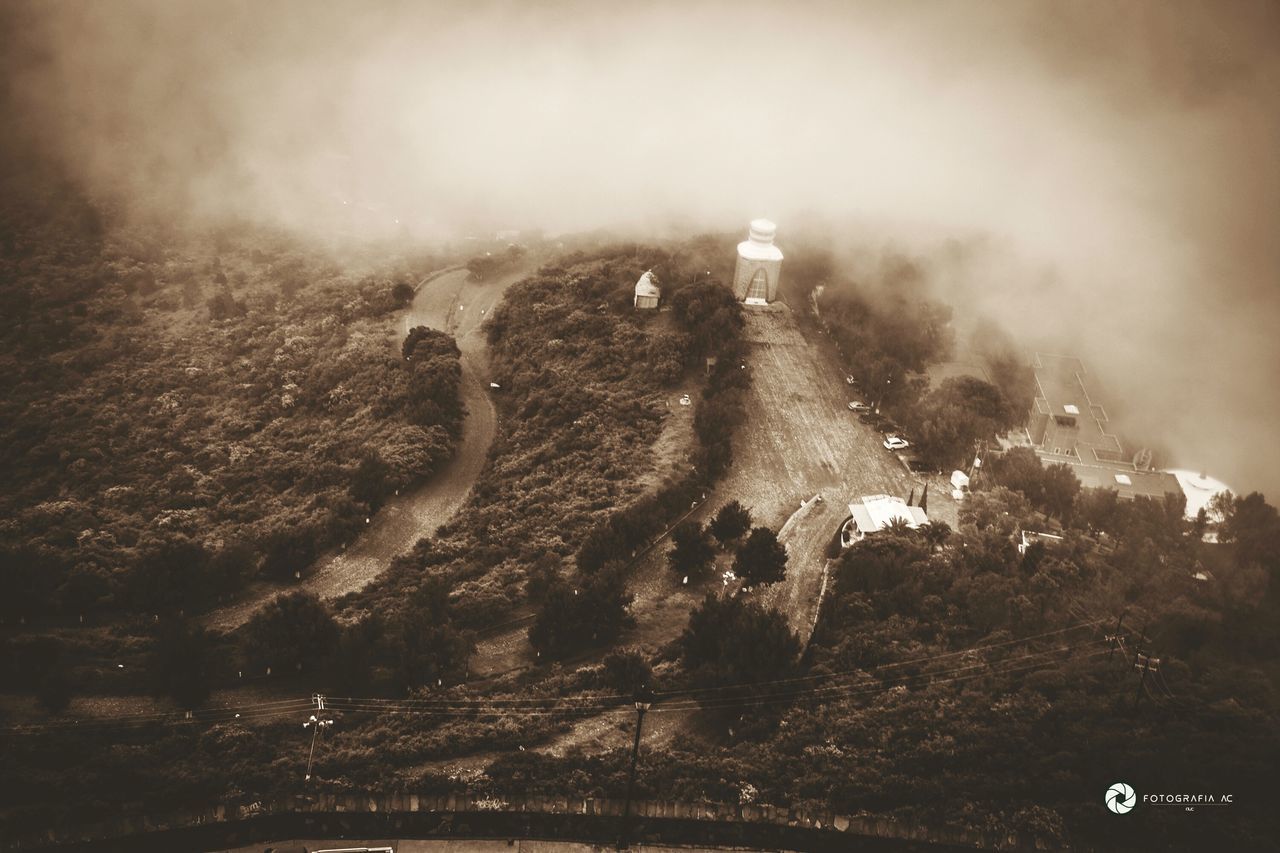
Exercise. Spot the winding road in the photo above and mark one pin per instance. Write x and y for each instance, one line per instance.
(453, 302)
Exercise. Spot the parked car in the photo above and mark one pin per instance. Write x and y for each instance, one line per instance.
(888, 427)
(892, 442)
(849, 380)
(872, 418)
(859, 406)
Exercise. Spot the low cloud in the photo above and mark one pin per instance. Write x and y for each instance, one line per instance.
(1100, 178)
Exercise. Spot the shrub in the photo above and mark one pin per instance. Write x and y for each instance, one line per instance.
(761, 558)
(731, 522)
(295, 629)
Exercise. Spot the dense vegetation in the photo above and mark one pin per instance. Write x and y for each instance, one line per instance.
(585, 381)
(889, 329)
(953, 679)
(180, 415)
(894, 717)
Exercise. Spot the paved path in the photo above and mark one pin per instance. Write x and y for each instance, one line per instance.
(799, 440)
(458, 305)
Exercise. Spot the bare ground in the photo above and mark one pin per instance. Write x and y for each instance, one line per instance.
(799, 441)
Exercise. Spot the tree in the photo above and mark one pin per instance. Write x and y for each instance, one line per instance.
(1221, 506)
(427, 648)
(709, 312)
(171, 574)
(762, 558)
(1254, 526)
(85, 590)
(1051, 488)
(293, 630)
(731, 522)
(736, 641)
(356, 655)
(53, 691)
(1059, 490)
(897, 526)
(573, 618)
(627, 670)
(180, 662)
(422, 343)
(1000, 509)
(955, 415)
(693, 551)
(287, 551)
(936, 533)
(402, 292)
(369, 483)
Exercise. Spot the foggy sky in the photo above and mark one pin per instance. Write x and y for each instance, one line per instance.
(1101, 178)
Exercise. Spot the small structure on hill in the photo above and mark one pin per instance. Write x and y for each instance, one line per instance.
(648, 293)
(755, 278)
(1027, 538)
(872, 513)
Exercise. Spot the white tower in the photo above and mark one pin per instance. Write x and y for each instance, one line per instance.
(755, 279)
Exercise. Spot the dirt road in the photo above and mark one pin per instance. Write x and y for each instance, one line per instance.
(799, 441)
(458, 305)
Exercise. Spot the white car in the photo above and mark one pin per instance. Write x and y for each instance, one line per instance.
(849, 380)
(892, 442)
(685, 401)
(859, 406)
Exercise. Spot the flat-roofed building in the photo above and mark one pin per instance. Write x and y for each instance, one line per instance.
(1070, 427)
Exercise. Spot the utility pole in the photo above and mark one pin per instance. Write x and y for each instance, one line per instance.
(316, 723)
(1114, 639)
(1137, 644)
(643, 699)
(1145, 664)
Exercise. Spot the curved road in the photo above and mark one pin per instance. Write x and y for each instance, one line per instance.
(457, 305)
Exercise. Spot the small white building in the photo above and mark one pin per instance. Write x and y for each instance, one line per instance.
(872, 513)
(1027, 538)
(647, 292)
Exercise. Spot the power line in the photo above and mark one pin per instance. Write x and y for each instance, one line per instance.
(865, 688)
(462, 707)
(139, 721)
(984, 667)
(894, 665)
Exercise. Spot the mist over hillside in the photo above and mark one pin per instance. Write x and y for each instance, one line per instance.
(1101, 179)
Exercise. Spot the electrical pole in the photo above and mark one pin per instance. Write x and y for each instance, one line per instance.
(1114, 639)
(1146, 664)
(316, 723)
(644, 698)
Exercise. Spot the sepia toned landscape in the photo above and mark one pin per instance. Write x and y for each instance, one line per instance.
(565, 427)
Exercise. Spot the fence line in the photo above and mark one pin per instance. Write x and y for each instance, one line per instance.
(480, 816)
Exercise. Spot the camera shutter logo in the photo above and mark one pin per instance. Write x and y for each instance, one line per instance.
(1121, 798)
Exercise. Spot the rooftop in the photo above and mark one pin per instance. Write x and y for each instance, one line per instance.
(1071, 423)
(646, 286)
(876, 512)
(1128, 481)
